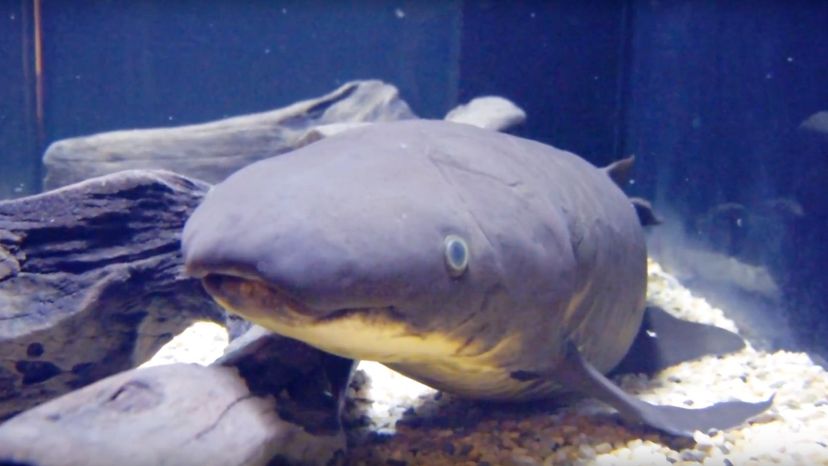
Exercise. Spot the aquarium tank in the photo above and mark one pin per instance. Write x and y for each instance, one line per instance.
(724, 106)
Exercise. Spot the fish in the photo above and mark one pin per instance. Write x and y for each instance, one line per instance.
(479, 263)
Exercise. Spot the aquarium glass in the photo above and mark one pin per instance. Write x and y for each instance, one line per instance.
(723, 104)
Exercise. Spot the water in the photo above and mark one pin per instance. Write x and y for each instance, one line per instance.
(719, 101)
(709, 97)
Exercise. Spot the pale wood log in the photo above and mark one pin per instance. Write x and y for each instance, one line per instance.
(270, 401)
(488, 112)
(211, 151)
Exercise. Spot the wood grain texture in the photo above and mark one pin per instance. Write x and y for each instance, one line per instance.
(91, 282)
(269, 401)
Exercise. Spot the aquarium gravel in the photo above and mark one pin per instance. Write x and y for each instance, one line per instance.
(395, 421)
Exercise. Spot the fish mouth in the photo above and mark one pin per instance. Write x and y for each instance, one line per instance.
(257, 300)
(270, 307)
(373, 333)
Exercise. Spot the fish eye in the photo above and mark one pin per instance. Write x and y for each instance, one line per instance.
(457, 255)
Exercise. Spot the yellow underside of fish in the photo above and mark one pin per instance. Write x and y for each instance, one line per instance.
(433, 358)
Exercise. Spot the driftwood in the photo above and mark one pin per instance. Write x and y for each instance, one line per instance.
(211, 151)
(490, 112)
(90, 282)
(271, 401)
(816, 125)
(494, 113)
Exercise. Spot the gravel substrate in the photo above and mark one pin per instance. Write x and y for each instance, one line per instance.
(395, 421)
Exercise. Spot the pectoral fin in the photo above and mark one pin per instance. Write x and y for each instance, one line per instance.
(646, 214)
(580, 376)
(664, 341)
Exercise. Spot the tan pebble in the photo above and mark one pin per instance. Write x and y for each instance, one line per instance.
(693, 456)
(586, 451)
(520, 451)
(645, 455)
(561, 455)
(523, 460)
(543, 452)
(619, 444)
(569, 430)
(508, 424)
(509, 443)
(704, 444)
(603, 447)
(533, 445)
(489, 457)
(527, 425)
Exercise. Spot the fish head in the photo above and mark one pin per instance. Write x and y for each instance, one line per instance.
(356, 245)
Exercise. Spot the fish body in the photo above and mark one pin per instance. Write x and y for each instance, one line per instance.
(477, 262)
(351, 230)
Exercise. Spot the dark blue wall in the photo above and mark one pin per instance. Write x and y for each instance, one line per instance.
(563, 62)
(19, 151)
(718, 92)
(123, 64)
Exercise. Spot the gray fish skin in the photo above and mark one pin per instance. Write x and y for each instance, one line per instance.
(341, 244)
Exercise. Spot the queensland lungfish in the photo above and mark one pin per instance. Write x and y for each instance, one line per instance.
(477, 262)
